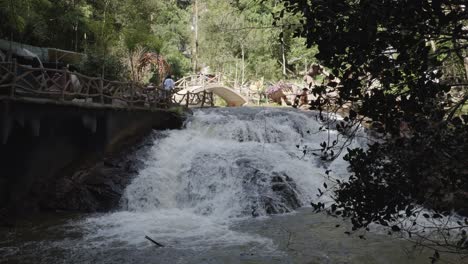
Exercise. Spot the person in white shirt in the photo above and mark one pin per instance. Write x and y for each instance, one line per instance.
(168, 86)
(169, 83)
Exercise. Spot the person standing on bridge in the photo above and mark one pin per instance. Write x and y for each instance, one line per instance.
(168, 85)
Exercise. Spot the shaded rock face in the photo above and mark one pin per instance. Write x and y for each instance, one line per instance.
(277, 197)
(270, 192)
(98, 187)
(284, 187)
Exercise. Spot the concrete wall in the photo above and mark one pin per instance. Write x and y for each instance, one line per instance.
(40, 143)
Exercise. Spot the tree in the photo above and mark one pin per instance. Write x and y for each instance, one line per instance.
(105, 30)
(239, 39)
(392, 57)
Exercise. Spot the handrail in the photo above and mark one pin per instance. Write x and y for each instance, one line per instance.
(23, 81)
(200, 99)
(198, 80)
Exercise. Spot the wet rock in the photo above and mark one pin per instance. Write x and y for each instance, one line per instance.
(271, 193)
(284, 189)
(98, 187)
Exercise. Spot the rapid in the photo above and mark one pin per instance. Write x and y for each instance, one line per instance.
(233, 186)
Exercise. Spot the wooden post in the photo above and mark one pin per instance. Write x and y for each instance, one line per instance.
(187, 99)
(101, 90)
(211, 98)
(15, 76)
(154, 98)
(203, 98)
(132, 90)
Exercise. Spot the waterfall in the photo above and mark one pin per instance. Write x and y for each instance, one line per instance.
(227, 165)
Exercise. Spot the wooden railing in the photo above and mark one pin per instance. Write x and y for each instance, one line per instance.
(201, 99)
(20, 81)
(198, 80)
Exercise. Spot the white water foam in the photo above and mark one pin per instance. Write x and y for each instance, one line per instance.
(201, 180)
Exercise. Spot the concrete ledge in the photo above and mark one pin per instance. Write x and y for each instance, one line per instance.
(41, 143)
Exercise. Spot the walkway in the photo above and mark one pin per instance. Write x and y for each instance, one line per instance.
(197, 84)
(54, 86)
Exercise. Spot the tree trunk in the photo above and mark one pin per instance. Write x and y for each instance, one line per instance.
(235, 77)
(433, 46)
(466, 67)
(195, 28)
(243, 66)
(284, 56)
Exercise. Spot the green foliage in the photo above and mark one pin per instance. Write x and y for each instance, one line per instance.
(392, 58)
(239, 39)
(180, 65)
(99, 64)
(100, 27)
(421, 169)
(235, 37)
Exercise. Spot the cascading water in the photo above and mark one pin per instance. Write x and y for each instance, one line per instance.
(227, 165)
(204, 192)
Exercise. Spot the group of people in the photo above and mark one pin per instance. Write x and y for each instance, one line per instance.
(301, 99)
(330, 80)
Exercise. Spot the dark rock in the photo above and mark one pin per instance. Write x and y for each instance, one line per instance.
(100, 187)
(52, 159)
(271, 193)
(285, 190)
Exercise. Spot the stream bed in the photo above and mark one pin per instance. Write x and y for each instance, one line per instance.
(234, 186)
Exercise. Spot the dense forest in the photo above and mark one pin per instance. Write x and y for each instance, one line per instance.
(241, 39)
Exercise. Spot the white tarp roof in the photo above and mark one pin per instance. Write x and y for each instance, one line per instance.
(43, 54)
(24, 50)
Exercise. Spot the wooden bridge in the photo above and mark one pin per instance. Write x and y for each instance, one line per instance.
(198, 90)
(21, 82)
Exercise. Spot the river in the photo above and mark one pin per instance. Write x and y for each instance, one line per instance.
(232, 187)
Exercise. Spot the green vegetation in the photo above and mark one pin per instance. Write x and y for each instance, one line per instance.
(107, 31)
(242, 40)
(237, 38)
(398, 61)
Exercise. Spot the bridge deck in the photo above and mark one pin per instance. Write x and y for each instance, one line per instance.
(53, 86)
(215, 85)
